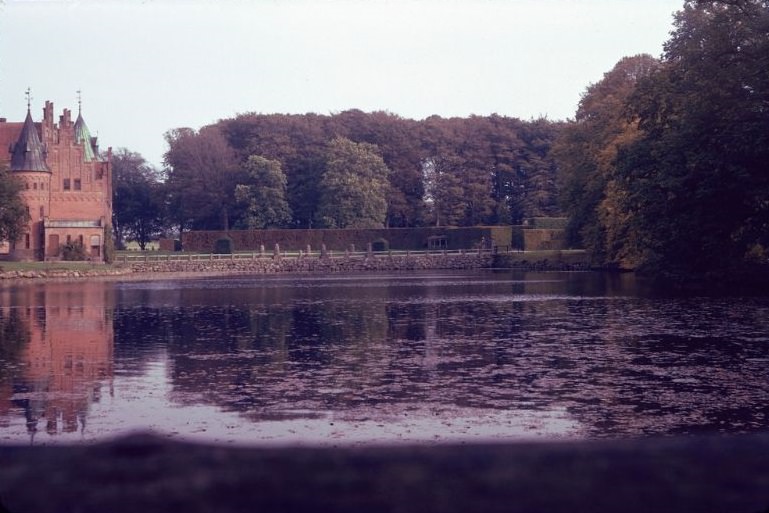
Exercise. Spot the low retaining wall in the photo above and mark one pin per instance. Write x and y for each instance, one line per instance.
(543, 261)
(268, 265)
(535, 261)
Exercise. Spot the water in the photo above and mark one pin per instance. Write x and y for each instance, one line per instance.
(430, 357)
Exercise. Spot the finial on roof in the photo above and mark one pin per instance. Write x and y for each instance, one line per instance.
(28, 94)
(79, 101)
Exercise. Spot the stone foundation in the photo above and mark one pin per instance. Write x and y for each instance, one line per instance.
(271, 265)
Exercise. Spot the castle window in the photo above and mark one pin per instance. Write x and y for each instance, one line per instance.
(26, 240)
(66, 184)
(42, 186)
(26, 185)
(77, 184)
(34, 185)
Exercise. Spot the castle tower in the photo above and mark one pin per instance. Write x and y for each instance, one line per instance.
(28, 164)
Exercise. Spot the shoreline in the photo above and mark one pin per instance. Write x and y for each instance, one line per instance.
(171, 269)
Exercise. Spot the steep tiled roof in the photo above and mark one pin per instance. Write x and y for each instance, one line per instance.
(28, 153)
(83, 136)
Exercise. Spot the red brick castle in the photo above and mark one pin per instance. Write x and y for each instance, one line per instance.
(67, 185)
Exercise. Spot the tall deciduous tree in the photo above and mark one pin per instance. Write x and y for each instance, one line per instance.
(138, 205)
(265, 194)
(696, 181)
(202, 175)
(354, 186)
(586, 152)
(13, 212)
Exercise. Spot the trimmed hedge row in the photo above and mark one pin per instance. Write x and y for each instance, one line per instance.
(548, 223)
(536, 240)
(340, 240)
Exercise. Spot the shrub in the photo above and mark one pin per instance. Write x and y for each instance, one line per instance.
(380, 245)
(73, 251)
(109, 244)
(757, 254)
(223, 246)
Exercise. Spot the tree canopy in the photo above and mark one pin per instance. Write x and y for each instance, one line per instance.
(670, 173)
(495, 161)
(354, 186)
(265, 194)
(138, 206)
(13, 211)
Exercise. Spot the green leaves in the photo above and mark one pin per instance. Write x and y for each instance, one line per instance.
(13, 211)
(354, 187)
(138, 205)
(265, 194)
(665, 167)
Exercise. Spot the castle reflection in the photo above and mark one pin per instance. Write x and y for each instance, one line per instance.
(56, 348)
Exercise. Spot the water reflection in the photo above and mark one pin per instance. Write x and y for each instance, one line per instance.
(56, 350)
(408, 356)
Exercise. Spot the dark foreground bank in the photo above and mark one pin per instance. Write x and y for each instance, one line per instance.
(147, 474)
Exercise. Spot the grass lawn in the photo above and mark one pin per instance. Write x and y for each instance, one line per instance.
(52, 266)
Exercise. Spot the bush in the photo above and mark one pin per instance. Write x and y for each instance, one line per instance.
(380, 245)
(73, 251)
(757, 254)
(109, 244)
(223, 246)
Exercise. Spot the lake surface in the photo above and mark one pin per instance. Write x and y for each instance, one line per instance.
(425, 357)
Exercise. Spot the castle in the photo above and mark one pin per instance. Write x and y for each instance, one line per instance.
(67, 185)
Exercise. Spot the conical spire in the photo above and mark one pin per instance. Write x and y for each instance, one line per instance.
(83, 136)
(28, 152)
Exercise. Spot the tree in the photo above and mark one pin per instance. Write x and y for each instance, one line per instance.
(138, 199)
(353, 190)
(13, 211)
(202, 175)
(696, 182)
(265, 194)
(586, 152)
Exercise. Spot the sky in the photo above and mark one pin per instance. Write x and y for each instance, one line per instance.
(147, 66)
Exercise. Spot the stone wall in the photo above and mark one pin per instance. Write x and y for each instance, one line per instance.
(268, 265)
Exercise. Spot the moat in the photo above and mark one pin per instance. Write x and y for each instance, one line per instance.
(437, 356)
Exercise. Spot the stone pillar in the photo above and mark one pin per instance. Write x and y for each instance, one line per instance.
(276, 252)
(323, 252)
(261, 250)
(369, 250)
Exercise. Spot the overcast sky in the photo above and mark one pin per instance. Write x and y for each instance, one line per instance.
(146, 66)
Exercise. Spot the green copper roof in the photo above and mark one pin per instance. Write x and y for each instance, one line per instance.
(83, 136)
(28, 154)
